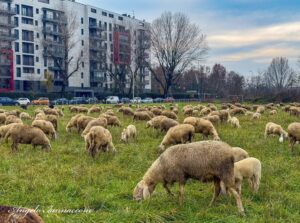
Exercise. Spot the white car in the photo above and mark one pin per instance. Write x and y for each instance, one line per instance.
(147, 100)
(136, 100)
(23, 101)
(112, 100)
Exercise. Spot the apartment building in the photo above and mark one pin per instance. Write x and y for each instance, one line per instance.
(55, 38)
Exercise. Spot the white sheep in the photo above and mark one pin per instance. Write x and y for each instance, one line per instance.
(234, 121)
(129, 132)
(275, 129)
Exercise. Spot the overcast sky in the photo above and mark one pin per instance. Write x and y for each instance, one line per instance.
(243, 35)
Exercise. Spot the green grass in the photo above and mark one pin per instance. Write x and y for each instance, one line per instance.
(67, 178)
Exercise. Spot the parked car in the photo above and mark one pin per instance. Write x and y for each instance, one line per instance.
(23, 101)
(92, 100)
(8, 101)
(136, 100)
(125, 100)
(147, 100)
(112, 100)
(169, 99)
(158, 100)
(78, 100)
(41, 101)
(60, 101)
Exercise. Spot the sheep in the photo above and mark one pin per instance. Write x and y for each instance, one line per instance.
(51, 118)
(98, 139)
(205, 161)
(19, 215)
(13, 112)
(294, 111)
(181, 133)
(51, 111)
(59, 111)
(239, 153)
(12, 119)
(169, 114)
(215, 119)
(156, 111)
(4, 129)
(110, 112)
(294, 134)
(82, 122)
(73, 122)
(94, 109)
(141, 115)
(2, 118)
(96, 122)
(202, 126)
(275, 129)
(111, 120)
(46, 126)
(25, 116)
(188, 111)
(236, 111)
(223, 114)
(24, 134)
(167, 123)
(249, 168)
(249, 113)
(126, 111)
(256, 115)
(2, 110)
(273, 112)
(234, 121)
(129, 132)
(260, 109)
(205, 111)
(155, 122)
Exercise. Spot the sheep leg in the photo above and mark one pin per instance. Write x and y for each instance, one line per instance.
(217, 191)
(168, 189)
(14, 147)
(238, 201)
(181, 193)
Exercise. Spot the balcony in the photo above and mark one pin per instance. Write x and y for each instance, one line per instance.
(7, 37)
(96, 27)
(9, 25)
(51, 32)
(94, 48)
(55, 68)
(5, 63)
(50, 43)
(53, 54)
(97, 38)
(51, 19)
(7, 10)
(97, 77)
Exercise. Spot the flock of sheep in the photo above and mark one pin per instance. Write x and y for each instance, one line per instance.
(180, 159)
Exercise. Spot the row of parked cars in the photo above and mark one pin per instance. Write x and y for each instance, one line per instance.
(81, 100)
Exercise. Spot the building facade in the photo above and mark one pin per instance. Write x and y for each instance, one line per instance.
(53, 43)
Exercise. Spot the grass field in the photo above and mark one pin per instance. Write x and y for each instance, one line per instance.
(68, 178)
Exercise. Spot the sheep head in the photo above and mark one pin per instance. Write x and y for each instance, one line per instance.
(124, 136)
(141, 191)
(149, 124)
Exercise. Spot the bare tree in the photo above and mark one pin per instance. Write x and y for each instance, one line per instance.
(64, 53)
(176, 43)
(279, 75)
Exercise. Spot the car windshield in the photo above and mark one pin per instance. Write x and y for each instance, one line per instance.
(43, 99)
(23, 99)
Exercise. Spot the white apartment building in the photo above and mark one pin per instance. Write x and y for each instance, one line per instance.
(102, 42)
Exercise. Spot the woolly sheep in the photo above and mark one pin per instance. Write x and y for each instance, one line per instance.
(260, 109)
(239, 153)
(215, 119)
(51, 118)
(25, 116)
(46, 126)
(205, 111)
(169, 114)
(181, 133)
(249, 168)
(167, 123)
(94, 109)
(4, 129)
(156, 111)
(19, 215)
(275, 129)
(129, 132)
(234, 121)
(98, 139)
(24, 134)
(111, 120)
(256, 115)
(236, 111)
(155, 122)
(126, 111)
(294, 134)
(82, 122)
(205, 161)
(96, 122)
(13, 112)
(141, 115)
(273, 112)
(12, 119)
(2, 118)
(73, 122)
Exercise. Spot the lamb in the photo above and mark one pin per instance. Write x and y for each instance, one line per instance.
(249, 168)
(98, 139)
(294, 134)
(96, 122)
(141, 115)
(202, 126)
(25, 116)
(129, 132)
(2, 118)
(275, 129)
(205, 161)
(24, 134)
(19, 215)
(169, 114)
(234, 122)
(94, 109)
(73, 122)
(12, 119)
(256, 115)
(181, 133)
(46, 126)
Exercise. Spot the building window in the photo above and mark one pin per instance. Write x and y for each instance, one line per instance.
(16, 21)
(110, 37)
(17, 33)
(82, 43)
(82, 75)
(37, 35)
(17, 9)
(36, 47)
(82, 31)
(37, 11)
(38, 71)
(82, 53)
(82, 64)
(93, 10)
(28, 48)
(111, 15)
(27, 21)
(28, 70)
(17, 47)
(27, 11)
(36, 23)
(37, 59)
(18, 59)
(45, 61)
(120, 18)
(82, 85)
(27, 35)
(18, 72)
(44, 1)
(28, 60)
(81, 20)
(104, 13)
(110, 27)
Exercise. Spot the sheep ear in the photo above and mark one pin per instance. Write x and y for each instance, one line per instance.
(281, 138)
(146, 193)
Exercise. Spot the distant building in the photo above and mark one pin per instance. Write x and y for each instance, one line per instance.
(103, 38)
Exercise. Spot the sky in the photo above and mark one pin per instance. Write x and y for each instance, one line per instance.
(243, 35)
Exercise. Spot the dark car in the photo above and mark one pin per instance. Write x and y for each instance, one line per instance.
(169, 99)
(78, 100)
(125, 100)
(92, 100)
(60, 101)
(8, 101)
(158, 100)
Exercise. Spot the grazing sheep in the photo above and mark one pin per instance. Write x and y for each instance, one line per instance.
(51, 118)
(249, 168)
(236, 111)
(2, 118)
(205, 127)
(234, 121)
(181, 133)
(13, 112)
(141, 115)
(129, 132)
(205, 111)
(215, 119)
(51, 111)
(239, 153)
(98, 139)
(111, 120)
(261, 109)
(223, 115)
(294, 111)
(155, 122)
(188, 111)
(274, 129)
(167, 123)
(126, 111)
(169, 114)
(12, 119)
(156, 111)
(256, 115)
(25, 116)
(24, 134)
(19, 215)
(46, 126)
(205, 161)
(94, 109)
(82, 122)
(4, 129)
(273, 112)
(294, 134)
(96, 122)
(73, 122)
